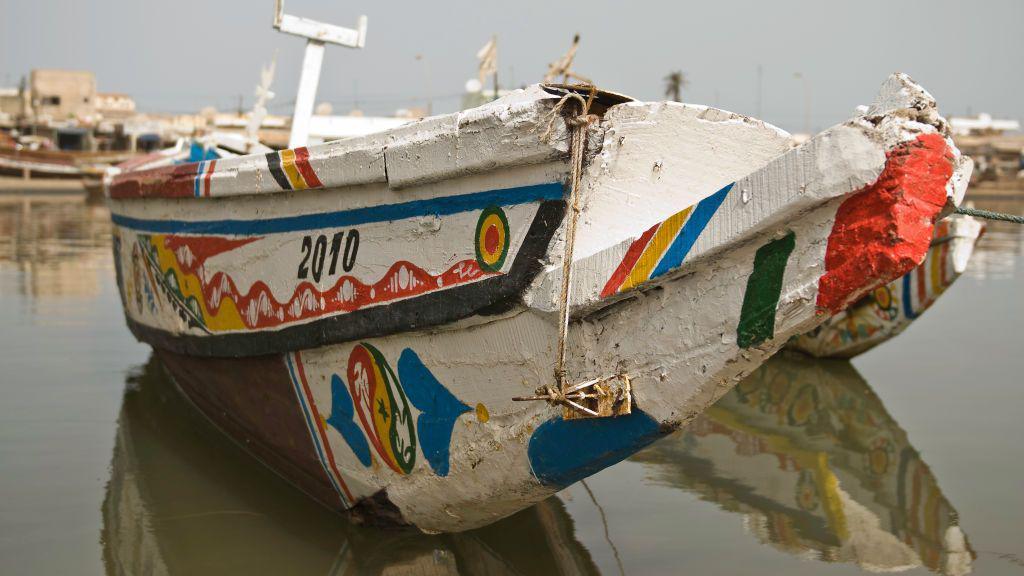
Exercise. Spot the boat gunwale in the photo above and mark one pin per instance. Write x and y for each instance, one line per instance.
(505, 133)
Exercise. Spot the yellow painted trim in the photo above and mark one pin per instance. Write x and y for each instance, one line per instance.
(667, 232)
(288, 165)
(227, 316)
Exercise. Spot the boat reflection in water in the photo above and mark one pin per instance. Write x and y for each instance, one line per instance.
(803, 449)
(183, 500)
(57, 245)
(807, 453)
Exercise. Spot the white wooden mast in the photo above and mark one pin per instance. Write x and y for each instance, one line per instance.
(317, 34)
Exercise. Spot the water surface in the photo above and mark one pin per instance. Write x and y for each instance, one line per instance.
(907, 460)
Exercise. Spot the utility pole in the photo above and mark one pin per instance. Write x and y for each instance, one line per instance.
(807, 102)
(426, 78)
(317, 34)
(760, 92)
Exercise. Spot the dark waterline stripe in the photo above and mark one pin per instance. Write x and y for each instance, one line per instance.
(389, 212)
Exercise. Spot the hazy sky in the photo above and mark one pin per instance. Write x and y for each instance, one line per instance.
(180, 55)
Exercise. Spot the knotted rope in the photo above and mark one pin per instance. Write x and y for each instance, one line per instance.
(577, 147)
(577, 127)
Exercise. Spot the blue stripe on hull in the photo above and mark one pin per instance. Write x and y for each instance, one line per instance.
(908, 296)
(197, 185)
(389, 212)
(687, 237)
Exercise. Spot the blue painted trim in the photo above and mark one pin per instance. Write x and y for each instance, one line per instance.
(562, 452)
(687, 237)
(388, 212)
(908, 297)
(197, 185)
(311, 427)
(342, 418)
(439, 409)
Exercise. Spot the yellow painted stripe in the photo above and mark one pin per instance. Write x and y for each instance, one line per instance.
(288, 165)
(936, 256)
(832, 500)
(932, 522)
(666, 233)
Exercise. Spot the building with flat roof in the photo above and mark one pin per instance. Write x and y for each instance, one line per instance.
(62, 94)
(114, 105)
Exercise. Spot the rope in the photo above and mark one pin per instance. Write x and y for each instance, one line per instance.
(1002, 217)
(604, 522)
(577, 146)
(577, 128)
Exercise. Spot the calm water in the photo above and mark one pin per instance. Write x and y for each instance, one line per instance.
(908, 459)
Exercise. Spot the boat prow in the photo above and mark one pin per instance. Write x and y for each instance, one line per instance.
(361, 315)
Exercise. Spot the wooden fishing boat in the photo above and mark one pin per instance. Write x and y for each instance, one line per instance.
(888, 310)
(16, 161)
(364, 314)
(817, 466)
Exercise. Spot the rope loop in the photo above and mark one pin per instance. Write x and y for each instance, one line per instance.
(583, 119)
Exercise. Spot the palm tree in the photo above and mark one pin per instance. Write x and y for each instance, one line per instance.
(674, 84)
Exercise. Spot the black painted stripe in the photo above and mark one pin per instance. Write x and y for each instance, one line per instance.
(274, 163)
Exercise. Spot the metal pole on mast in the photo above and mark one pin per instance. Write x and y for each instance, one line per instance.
(318, 35)
(304, 99)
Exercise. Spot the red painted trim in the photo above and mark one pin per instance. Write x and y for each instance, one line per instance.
(402, 280)
(922, 286)
(177, 181)
(885, 230)
(191, 252)
(320, 426)
(302, 164)
(628, 261)
(209, 175)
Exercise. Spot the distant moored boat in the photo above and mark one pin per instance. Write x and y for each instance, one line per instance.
(888, 310)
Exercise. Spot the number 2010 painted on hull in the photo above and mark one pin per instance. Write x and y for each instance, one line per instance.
(315, 254)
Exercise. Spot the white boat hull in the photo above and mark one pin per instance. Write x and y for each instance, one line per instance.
(385, 382)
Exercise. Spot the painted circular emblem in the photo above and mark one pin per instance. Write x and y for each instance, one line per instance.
(885, 305)
(803, 406)
(492, 239)
(879, 456)
(382, 407)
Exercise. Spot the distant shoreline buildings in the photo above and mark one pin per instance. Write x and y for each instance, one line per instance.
(63, 110)
(56, 110)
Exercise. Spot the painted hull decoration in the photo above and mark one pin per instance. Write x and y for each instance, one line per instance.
(808, 454)
(164, 466)
(387, 318)
(888, 310)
